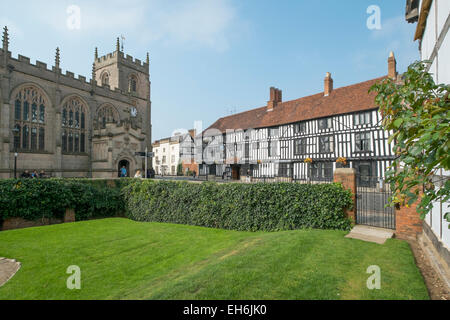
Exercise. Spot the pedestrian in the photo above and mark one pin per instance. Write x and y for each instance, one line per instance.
(42, 174)
(123, 172)
(138, 175)
(34, 175)
(25, 174)
(194, 174)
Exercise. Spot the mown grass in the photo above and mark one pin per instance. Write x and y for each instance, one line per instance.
(123, 259)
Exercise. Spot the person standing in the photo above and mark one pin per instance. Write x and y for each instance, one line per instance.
(123, 172)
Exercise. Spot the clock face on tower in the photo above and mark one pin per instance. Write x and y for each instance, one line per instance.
(133, 112)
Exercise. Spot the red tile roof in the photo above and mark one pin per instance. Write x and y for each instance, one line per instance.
(343, 100)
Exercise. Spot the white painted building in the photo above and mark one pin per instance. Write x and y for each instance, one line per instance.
(433, 24)
(167, 156)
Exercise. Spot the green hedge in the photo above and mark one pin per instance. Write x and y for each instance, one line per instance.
(243, 207)
(33, 199)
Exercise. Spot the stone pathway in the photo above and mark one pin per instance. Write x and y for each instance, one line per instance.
(8, 269)
(370, 234)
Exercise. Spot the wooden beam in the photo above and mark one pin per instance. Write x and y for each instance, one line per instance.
(424, 12)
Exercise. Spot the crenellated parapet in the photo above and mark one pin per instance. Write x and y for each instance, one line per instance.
(121, 58)
(41, 70)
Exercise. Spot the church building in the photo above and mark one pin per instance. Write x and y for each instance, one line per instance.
(68, 126)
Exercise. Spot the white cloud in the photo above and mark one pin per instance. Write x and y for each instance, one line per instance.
(197, 22)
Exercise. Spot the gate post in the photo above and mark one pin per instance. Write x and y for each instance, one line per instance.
(409, 225)
(347, 176)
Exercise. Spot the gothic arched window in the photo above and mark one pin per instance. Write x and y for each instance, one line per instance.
(29, 133)
(72, 111)
(106, 114)
(132, 84)
(105, 79)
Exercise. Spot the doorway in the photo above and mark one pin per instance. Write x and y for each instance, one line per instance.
(126, 164)
(236, 172)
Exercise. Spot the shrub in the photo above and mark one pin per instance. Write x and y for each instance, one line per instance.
(33, 199)
(243, 207)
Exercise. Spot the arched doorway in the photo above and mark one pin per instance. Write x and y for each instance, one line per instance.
(126, 164)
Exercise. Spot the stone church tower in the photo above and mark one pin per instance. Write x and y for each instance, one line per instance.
(68, 126)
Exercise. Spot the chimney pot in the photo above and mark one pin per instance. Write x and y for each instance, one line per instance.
(328, 88)
(275, 98)
(392, 66)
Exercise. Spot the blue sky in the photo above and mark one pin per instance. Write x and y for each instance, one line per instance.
(209, 57)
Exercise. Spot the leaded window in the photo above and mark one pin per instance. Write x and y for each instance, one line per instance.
(274, 132)
(362, 141)
(362, 118)
(74, 134)
(326, 123)
(300, 146)
(272, 148)
(285, 170)
(29, 117)
(321, 171)
(300, 127)
(326, 144)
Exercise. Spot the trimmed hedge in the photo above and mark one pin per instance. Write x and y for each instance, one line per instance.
(242, 207)
(33, 199)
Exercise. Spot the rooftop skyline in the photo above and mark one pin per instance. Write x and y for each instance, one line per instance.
(211, 58)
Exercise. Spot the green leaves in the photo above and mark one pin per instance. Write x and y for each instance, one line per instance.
(418, 112)
(245, 207)
(33, 199)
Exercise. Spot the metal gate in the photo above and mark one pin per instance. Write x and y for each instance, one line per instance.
(372, 197)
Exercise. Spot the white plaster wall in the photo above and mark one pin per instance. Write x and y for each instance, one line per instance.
(429, 36)
(443, 12)
(441, 72)
(444, 61)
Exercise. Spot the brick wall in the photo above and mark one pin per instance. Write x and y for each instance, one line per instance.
(347, 177)
(408, 222)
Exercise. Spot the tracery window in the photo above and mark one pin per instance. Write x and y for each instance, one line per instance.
(106, 114)
(132, 84)
(74, 126)
(29, 118)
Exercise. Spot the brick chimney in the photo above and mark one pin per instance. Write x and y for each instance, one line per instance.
(328, 84)
(276, 96)
(392, 66)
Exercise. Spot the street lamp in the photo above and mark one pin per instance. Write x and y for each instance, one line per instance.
(16, 132)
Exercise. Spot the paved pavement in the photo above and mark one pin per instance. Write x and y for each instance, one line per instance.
(8, 269)
(370, 234)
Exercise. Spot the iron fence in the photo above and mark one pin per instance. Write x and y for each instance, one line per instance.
(372, 203)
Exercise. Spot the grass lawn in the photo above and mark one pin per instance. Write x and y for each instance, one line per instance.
(123, 259)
